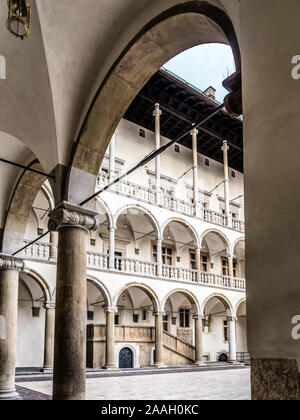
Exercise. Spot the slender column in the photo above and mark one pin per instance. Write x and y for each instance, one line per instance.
(159, 257)
(9, 282)
(232, 337)
(111, 262)
(53, 245)
(157, 113)
(230, 269)
(198, 263)
(72, 223)
(49, 337)
(198, 340)
(112, 159)
(159, 340)
(194, 134)
(225, 149)
(110, 338)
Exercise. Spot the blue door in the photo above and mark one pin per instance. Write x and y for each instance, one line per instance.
(125, 358)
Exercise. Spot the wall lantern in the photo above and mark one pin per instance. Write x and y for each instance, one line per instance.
(18, 20)
(35, 312)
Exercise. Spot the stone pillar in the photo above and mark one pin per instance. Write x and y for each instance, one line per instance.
(198, 263)
(9, 282)
(53, 246)
(194, 134)
(111, 262)
(72, 223)
(159, 256)
(110, 338)
(159, 340)
(49, 337)
(225, 149)
(112, 159)
(198, 340)
(232, 336)
(230, 269)
(157, 113)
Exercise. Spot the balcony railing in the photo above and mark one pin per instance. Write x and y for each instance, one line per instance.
(139, 192)
(100, 261)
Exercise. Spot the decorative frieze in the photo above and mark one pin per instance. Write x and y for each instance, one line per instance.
(11, 263)
(67, 214)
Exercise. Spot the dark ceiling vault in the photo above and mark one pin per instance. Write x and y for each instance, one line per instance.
(183, 105)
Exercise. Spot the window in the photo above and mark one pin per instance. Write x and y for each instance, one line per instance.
(225, 268)
(177, 149)
(167, 255)
(204, 262)
(235, 268)
(135, 317)
(117, 319)
(40, 231)
(233, 174)
(90, 315)
(192, 260)
(145, 315)
(93, 242)
(206, 162)
(184, 318)
(225, 328)
(166, 323)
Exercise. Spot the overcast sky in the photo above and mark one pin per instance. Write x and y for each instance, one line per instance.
(203, 66)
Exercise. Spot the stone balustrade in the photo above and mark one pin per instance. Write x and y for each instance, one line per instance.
(99, 261)
(146, 194)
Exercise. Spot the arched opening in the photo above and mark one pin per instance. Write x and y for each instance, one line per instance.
(239, 258)
(125, 358)
(216, 328)
(241, 333)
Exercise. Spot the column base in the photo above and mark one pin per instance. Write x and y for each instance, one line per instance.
(275, 379)
(159, 365)
(233, 362)
(199, 363)
(9, 395)
(110, 367)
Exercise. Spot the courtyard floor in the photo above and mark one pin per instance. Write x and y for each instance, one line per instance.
(183, 384)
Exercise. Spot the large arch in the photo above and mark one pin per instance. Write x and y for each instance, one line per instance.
(148, 290)
(188, 226)
(221, 235)
(173, 31)
(222, 298)
(102, 289)
(146, 211)
(189, 295)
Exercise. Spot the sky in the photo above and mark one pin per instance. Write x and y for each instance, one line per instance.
(203, 66)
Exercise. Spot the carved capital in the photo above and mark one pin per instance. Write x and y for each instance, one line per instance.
(198, 316)
(67, 214)
(225, 146)
(157, 110)
(49, 305)
(159, 313)
(10, 263)
(194, 132)
(111, 309)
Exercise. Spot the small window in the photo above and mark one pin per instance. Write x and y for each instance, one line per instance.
(40, 231)
(184, 320)
(142, 133)
(206, 162)
(233, 174)
(177, 149)
(90, 315)
(165, 323)
(225, 268)
(137, 251)
(193, 260)
(204, 262)
(135, 318)
(235, 268)
(117, 319)
(93, 242)
(178, 259)
(174, 320)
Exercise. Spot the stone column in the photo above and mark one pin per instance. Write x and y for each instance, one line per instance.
(72, 223)
(159, 340)
(198, 340)
(194, 134)
(110, 338)
(225, 149)
(230, 269)
(159, 256)
(157, 113)
(49, 337)
(9, 282)
(112, 159)
(111, 262)
(232, 337)
(53, 246)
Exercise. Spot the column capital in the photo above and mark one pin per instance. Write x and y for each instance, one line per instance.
(159, 313)
(198, 316)
(111, 309)
(225, 146)
(8, 262)
(194, 131)
(157, 110)
(68, 214)
(230, 316)
(49, 305)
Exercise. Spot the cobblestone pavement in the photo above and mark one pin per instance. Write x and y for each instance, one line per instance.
(231, 384)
